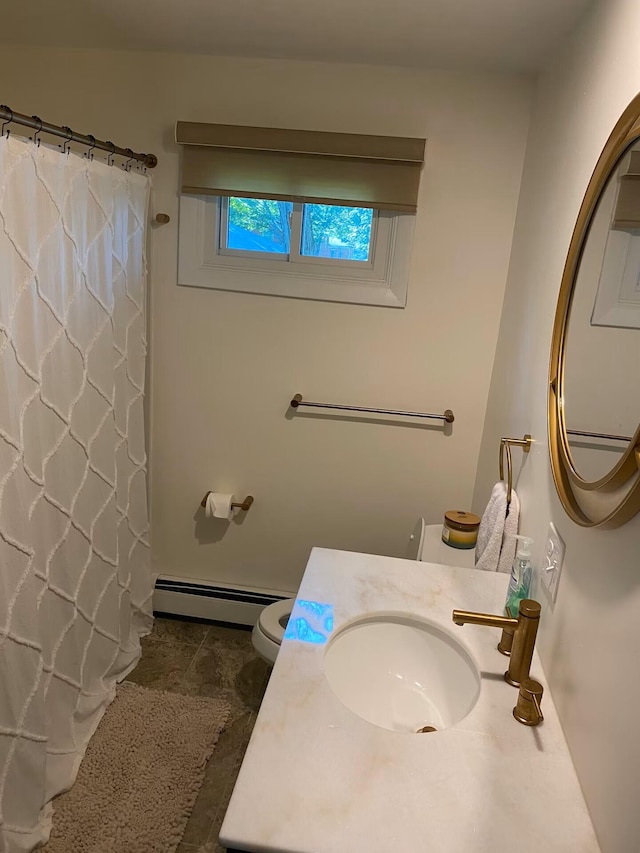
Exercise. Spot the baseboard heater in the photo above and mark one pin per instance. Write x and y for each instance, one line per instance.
(201, 600)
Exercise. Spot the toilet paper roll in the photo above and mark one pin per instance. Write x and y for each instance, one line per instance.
(218, 505)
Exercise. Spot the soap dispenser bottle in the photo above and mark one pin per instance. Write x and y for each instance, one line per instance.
(521, 572)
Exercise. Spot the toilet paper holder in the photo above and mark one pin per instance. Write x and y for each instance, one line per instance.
(245, 506)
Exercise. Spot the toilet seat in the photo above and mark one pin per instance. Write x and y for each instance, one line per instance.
(269, 619)
(268, 632)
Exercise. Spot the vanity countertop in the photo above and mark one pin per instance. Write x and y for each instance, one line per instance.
(316, 778)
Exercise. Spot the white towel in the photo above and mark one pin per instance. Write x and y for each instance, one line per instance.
(496, 546)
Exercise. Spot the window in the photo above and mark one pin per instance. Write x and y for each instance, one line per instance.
(302, 213)
(299, 231)
(255, 226)
(305, 250)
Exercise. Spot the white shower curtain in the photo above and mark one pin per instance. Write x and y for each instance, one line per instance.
(75, 582)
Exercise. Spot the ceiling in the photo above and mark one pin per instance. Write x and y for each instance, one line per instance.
(510, 35)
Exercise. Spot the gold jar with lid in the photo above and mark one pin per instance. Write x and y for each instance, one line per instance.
(460, 529)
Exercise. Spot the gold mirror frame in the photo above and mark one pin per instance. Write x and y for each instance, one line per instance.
(569, 483)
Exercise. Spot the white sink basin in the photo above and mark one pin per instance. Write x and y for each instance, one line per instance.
(401, 672)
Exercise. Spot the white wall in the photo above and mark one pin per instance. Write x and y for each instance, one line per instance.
(224, 365)
(591, 641)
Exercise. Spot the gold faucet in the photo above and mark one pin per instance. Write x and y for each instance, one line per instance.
(525, 628)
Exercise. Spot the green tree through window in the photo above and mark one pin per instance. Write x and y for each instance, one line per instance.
(264, 218)
(334, 231)
(330, 231)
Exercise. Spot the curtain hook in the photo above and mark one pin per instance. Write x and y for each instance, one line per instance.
(127, 165)
(66, 145)
(36, 134)
(112, 154)
(89, 153)
(8, 121)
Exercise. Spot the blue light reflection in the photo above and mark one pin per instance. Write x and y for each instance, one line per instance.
(310, 622)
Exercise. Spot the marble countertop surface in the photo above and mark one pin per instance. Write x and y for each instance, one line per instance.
(316, 778)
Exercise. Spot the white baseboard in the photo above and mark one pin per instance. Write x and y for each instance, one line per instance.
(219, 602)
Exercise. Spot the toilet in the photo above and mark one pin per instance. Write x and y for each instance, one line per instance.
(268, 631)
(425, 544)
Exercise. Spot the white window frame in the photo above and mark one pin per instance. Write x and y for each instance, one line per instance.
(382, 280)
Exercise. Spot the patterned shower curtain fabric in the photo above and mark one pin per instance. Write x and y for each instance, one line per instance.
(75, 581)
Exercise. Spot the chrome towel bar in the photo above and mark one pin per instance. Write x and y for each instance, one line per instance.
(606, 435)
(297, 401)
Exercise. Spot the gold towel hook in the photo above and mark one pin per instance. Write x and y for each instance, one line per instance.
(505, 448)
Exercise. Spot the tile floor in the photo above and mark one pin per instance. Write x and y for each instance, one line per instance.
(201, 659)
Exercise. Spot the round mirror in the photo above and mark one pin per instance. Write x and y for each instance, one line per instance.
(602, 355)
(594, 402)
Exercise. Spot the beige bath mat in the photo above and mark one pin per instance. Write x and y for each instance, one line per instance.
(140, 776)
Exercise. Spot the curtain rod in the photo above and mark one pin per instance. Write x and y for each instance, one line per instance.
(8, 116)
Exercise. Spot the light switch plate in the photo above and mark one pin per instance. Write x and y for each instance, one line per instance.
(552, 563)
